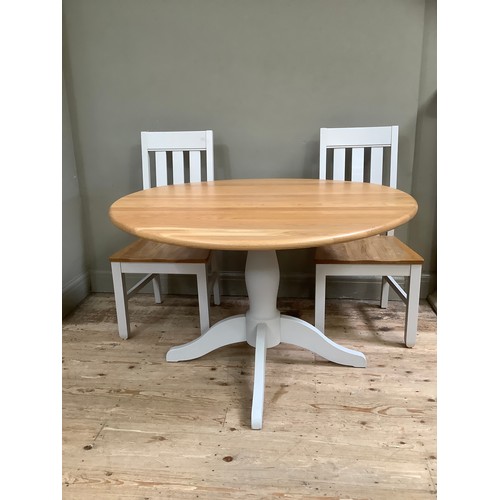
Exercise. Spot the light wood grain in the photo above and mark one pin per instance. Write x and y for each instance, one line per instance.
(136, 427)
(152, 251)
(251, 214)
(373, 250)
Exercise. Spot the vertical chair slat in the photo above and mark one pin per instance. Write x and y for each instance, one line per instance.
(339, 164)
(195, 166)
(161, 168)
(376, 169)
(178, 167)
(358, 162)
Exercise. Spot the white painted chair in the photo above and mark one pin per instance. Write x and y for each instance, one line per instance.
(367, 154)
(179, 157)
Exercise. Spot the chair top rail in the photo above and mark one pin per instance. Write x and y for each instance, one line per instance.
(179, 141)
(357, 137)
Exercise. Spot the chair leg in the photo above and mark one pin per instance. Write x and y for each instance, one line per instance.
(121, 300)
(384, 293)
(216, 286)
(411, 319)
(157, 288)
(203, 303)
(319, 300)
(216, 291)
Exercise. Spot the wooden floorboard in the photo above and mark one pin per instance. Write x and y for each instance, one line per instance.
(137, 427)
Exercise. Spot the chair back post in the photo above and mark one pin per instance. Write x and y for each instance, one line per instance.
(210, 155)
(146, 168)
(394, 156)
(322, 153)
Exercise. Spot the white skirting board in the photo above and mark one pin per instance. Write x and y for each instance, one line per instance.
(291, 285)
(74, 292)
(432, 299)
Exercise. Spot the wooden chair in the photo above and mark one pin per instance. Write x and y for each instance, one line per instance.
(367, 154)
(179, 157)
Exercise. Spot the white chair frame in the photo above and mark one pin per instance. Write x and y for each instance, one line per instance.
(207, 277)
(359, 138)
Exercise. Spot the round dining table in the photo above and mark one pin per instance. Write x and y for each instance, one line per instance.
(261, 216)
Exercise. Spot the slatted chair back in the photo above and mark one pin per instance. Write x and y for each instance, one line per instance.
(176, 157)
(360, 154)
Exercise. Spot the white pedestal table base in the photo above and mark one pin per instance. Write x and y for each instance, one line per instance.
(263, 327)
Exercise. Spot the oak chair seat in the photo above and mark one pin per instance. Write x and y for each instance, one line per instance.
(379, 249)
(153, 251)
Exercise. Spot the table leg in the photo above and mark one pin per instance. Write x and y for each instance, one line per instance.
(302, 334)
(262, 327)
(228, 331)
(259, 381)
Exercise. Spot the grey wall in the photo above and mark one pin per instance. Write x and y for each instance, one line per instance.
(424, 182)
(75, 276)
(264, 75)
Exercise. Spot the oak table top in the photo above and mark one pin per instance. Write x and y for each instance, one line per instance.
(262, 214)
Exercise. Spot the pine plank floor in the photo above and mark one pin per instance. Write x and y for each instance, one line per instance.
(137, 427)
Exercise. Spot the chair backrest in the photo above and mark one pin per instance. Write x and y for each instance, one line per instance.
(360, 154)
(179, 157)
